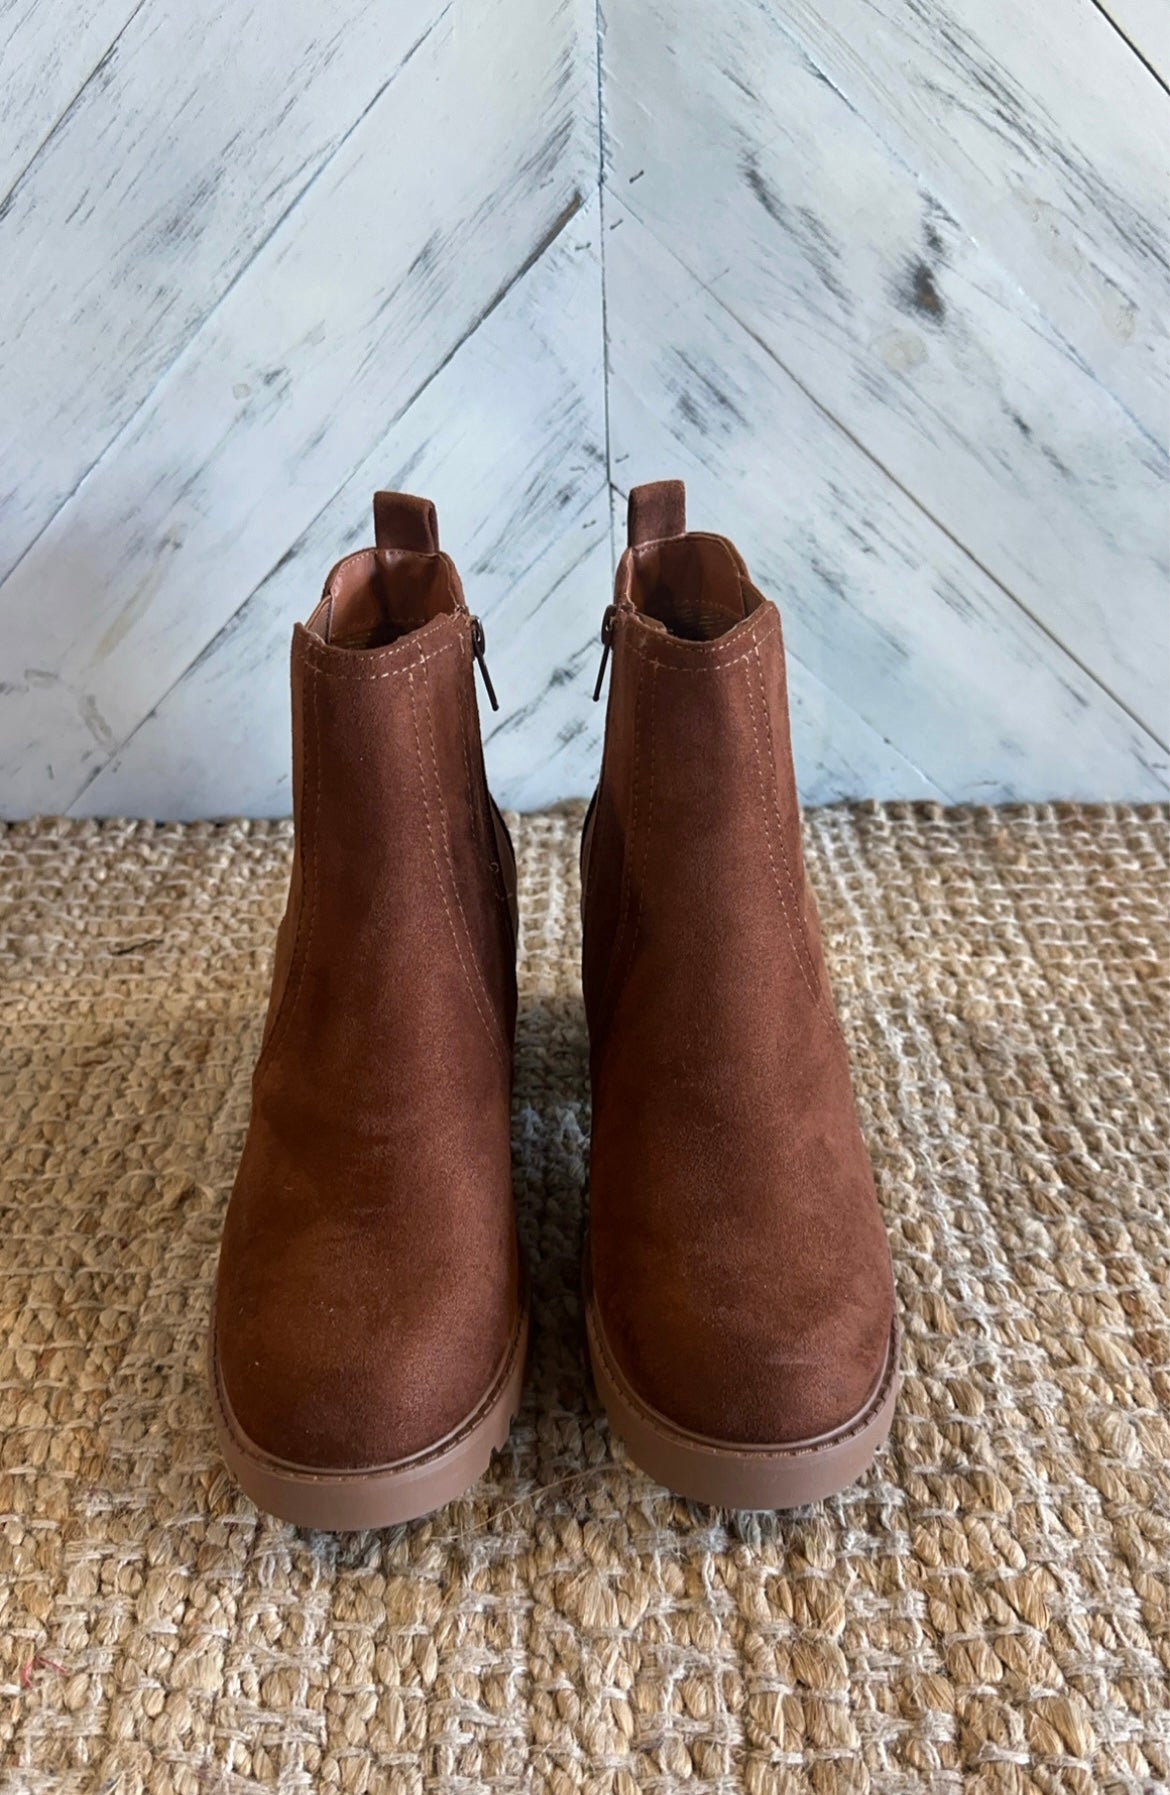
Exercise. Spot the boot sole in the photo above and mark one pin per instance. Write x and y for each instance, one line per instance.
(348, 1500)
(727, 1475)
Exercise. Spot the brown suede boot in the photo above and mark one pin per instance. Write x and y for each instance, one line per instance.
(739, 1296)
(369, 1327)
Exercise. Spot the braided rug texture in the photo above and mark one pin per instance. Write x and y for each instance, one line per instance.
(986, 1611)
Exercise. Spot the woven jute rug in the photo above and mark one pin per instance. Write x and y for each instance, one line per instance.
(986, 1611)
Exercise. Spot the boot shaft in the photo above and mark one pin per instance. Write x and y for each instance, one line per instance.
(693, 848)
(398, 927)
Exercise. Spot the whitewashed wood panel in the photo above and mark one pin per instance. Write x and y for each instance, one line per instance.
(509, 439)
(48, 54)
(1145, 24)
(794, 212)
(372, 281)
(171, 169)
(1045, 137)
(549, 747)
(885, 282)
(881, 607)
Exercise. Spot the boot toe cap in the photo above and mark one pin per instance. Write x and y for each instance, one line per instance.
(743, 1379)
(319, 1394)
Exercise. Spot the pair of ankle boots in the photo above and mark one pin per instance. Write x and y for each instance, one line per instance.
(371, 1315)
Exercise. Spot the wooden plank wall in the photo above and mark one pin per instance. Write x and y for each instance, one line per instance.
(885, 280)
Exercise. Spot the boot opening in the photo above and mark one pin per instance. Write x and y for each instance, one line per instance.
(377, 597)
(693, 585)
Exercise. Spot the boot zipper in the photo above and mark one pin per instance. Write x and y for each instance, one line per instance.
(477, 648)
(607, 623)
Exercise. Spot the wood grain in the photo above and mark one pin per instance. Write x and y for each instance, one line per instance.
(881, 607)
(342, 318)
(46, 69)
(1045, 137)
(526, 523)
(781, 198)
(1145, 26)
(198, 131)
(885, 280)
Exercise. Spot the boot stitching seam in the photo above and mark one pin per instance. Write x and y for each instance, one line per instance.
(628, 955)
(335, 672)
(446, 833)
(298, 962)
(708, 667)
(628, 855)
(764, 803)
(438, 872)
(396, 649)
(798, 912)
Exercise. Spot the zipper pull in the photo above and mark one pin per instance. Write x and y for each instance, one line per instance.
(607, 624)
(477, 648)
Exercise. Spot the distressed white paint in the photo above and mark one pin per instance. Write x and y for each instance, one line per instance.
(46, 68)
(549, 626)
(885, 283)
(387, 263)
(781, 198)
(881, 607)
(154, 193)
(1145, 24)
(1044, 135)
(524, 524)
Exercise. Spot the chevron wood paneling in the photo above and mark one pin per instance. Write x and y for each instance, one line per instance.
(1047, 139)
(531, 522)
(887, 283)
(45, 70)
(429, 209)
(864, 284)
(183, 150)
(882, 609)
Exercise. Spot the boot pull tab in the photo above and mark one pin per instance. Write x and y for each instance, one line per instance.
(403, 522)
(657, 510)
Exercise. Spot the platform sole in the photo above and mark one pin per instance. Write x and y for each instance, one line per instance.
(734, 1476)
(380, 1495)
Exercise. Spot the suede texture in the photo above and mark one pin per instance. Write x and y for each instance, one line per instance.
(368, 1279)
(739, 1258)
